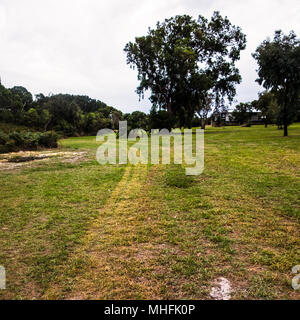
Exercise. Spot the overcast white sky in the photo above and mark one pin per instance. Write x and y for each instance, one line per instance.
(76, 46)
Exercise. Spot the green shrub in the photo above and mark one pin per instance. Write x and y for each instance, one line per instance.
(31, 140)
(48, 139)
(3, 138)
(18, 138)
(15, 141)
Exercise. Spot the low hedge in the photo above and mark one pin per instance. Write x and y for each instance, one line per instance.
(16, 141)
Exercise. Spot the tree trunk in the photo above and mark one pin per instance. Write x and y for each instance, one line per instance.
(181, 121)
(169, 108)
(203, 124)
(189, 119)
(46, 126)
(285, 130)
(285, 122)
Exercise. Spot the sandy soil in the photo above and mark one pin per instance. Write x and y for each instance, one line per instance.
(13, 160)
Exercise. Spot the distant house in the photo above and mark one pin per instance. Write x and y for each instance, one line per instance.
(220, 119)
(257, 118)
(226, 118)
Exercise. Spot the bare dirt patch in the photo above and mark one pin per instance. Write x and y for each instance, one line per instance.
(221, 289)
(14, 160)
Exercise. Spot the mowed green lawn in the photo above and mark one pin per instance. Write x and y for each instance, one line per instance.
(85, 231)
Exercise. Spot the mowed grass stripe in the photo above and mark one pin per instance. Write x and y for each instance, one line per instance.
(116, 252)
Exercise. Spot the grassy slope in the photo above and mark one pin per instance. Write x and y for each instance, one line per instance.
(90, 231)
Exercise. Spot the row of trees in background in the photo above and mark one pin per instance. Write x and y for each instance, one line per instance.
(71, 115)
(266, 104)
(66, 114)
(270, 111)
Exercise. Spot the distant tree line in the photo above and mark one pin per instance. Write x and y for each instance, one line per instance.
(269, 108)
(71, 115)
(266, 105)
(66, 114)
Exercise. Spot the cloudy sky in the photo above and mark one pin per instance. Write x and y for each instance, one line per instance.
(76, 46)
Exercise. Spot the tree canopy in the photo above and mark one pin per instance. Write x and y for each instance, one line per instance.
(64, 113)
(279, 71)
(183, 59)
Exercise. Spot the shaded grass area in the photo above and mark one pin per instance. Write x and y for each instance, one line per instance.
(88, 231)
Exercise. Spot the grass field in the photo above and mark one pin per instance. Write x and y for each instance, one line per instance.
(85, 231)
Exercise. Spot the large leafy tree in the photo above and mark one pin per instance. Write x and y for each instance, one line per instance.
(279, 71)
(23, 95)
(183, 58)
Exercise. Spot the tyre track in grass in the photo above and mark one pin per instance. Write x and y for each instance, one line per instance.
(116, 259)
